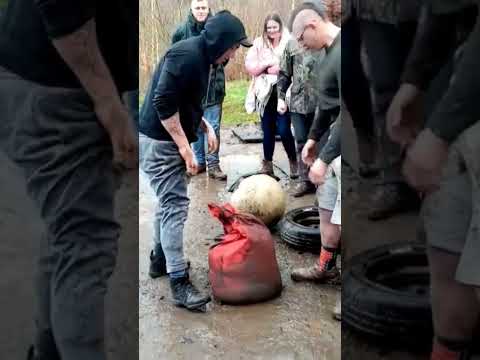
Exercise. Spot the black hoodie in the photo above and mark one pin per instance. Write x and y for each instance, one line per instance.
(181, 80)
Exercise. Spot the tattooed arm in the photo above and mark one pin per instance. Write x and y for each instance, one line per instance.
(174, 128)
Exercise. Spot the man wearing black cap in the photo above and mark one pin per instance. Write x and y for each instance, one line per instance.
(169, 119)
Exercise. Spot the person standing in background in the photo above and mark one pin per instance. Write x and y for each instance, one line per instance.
(195, 23)
(263, 63)
(297, 68)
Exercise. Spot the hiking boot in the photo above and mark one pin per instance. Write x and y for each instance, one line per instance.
(314, 274)
(158, 265)
(217, 173)
(267, 168)
(303, 188)
(293, 169)
(392, 199)
(337, 311)
(185, 294)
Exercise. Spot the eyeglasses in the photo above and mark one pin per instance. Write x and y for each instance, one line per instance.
(300, 38)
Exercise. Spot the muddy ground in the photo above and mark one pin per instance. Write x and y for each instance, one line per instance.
(297, 325)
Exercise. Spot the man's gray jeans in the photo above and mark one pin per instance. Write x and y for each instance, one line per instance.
(166, 171)
(53, 135)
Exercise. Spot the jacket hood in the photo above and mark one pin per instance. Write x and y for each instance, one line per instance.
(222, 32)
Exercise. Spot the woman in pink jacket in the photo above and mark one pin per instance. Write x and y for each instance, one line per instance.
(262, 62)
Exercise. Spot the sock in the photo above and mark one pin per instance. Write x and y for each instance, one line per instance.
(445, 349)
(177, 274)
(328, 258)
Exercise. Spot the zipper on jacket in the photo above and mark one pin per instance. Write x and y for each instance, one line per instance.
(208, 86)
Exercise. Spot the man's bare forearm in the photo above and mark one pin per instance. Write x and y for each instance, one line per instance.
(174, 128)
(82, 54)
(205, 125)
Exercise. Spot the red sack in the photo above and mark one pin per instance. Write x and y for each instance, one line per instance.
(243, 266)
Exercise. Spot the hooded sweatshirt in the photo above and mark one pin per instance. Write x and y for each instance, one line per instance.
(191, 28)
(181, 80)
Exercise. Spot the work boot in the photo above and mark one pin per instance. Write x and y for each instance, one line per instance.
(314, 274)
(337, 311)
(303, 188)
(158, 265)
(293, 169)
(267, 168)
(391, 199)
(217, 173)
(185, 294)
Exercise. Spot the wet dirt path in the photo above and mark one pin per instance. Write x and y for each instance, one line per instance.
(297, 325)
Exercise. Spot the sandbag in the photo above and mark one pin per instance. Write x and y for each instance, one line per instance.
(243, 265)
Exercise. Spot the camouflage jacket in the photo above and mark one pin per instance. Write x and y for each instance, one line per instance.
(384, 11)
(297, 69)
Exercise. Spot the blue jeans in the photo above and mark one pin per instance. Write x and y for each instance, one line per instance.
(166, 171)
(213, 114)
(273, 122)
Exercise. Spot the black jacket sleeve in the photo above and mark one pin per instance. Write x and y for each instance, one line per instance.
(332, 148)
(62, 17)
(178, 35)
(459, 109)
(167, 93)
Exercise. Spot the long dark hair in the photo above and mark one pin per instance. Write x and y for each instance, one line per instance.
(275, 17)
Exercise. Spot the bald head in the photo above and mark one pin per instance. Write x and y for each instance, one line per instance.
(302, 20)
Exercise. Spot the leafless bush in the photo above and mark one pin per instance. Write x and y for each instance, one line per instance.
(159, 18)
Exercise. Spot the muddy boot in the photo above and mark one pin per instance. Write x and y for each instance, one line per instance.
(267, 168)
(185, 294)
(303, 188)
(314, 274)
(337, 311)
(158, 265)
(293, 169)
(217, 173)
(392, 199)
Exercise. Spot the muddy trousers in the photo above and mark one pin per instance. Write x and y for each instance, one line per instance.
(53, 135)
(166, 172)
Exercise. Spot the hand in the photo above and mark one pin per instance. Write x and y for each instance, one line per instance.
(273, 70)
(425, 161)
(281, 107)
(405, 115)
(116, 120)
(212, 140)
(309, 152)
(190, 161)
(317, 172)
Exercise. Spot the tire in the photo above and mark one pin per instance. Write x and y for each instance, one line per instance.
(385, 294)
(299, 228)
